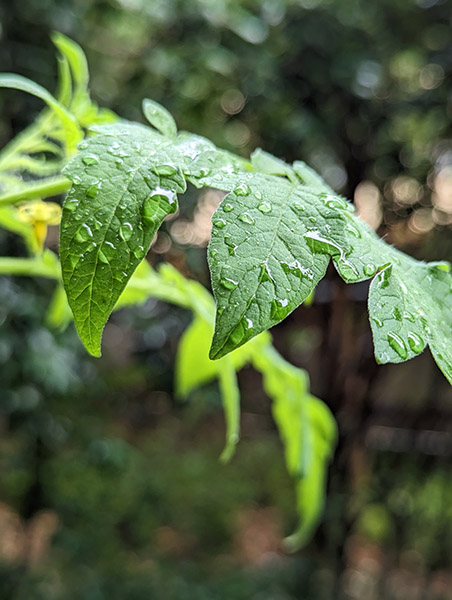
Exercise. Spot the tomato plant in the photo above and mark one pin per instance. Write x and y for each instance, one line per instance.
(273, 237)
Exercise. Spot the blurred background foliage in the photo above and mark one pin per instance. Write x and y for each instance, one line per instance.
(109, 488)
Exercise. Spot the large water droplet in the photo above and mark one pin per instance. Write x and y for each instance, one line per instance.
(102, 257)
(84, 233)
(279, 308)
(228, 207)
(93, 189)
(242, 190)
(246, 218)
(398, 345)
(125, 231)
(228, 283)
(397, 314)
(299, 207)
(417, 344)
(165, 170)
(265, 207)
(383, 277)
(90, 159)
(219, 223)
(369, 270)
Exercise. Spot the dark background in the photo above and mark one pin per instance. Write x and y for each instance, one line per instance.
(109, 488)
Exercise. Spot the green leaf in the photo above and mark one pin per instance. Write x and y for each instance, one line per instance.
(265, 254)
(77, 61)
(308, 432)
(159, 118)
(120, 195)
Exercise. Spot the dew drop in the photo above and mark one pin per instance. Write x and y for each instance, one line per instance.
(227, 207)
(165, 170)
(398, 345)
(242, 190)
(213, 253)
(246, 218)
(279, 308)
(369, 270)
(71, 204)
(228, 283)
(125, 231)
(258, 195)
(298, 206)
(219, 223)
(265, 207)
(90, 159)
(102, 257)
(417, 344)
(397, 314)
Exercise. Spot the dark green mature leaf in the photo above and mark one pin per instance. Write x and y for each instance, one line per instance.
(121, 193)
(265, 255)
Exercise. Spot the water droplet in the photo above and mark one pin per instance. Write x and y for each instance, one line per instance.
(383, 277)
(83, 146)
(258, 195)
(417, 344)
(246, 218)
(93, 189)
(237, 335)
(369, 270)
(377, 322)
(313, 219)
(165, 170)
(397, 314)
(228, 283)
(219, 223)
(71, 204)
(300, 208)
(242, 190)
(102, 257)
(334, 201)
(398, 345)
(265, 274)
(409, 316)
(213, 253)
(138, 252)
(265, 207)
(279, 308)
(351, 227)
(84, 233)
(295, 268)
(125, 231)
(90, 159)
(227, 207)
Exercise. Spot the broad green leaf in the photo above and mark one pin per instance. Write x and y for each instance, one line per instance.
(120, 195)
(159, 118)
(265, 254)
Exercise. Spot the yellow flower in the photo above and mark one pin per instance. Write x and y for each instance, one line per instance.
(39, 215)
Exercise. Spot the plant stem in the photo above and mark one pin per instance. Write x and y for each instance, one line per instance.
(40, 189)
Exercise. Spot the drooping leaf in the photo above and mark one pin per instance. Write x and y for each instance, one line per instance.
(120, 195)
(265, 254)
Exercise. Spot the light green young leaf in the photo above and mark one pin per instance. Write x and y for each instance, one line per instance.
(159, 118)
(308, 432)
(59, 314)
(120, 195)
(76, 58)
